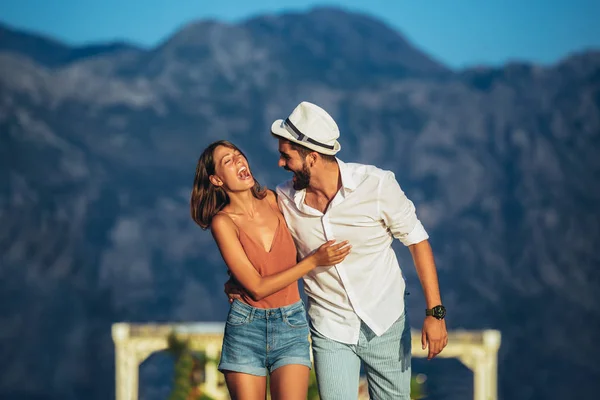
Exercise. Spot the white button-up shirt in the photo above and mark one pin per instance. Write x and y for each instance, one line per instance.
(369, 210)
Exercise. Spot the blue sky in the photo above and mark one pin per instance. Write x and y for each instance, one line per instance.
(456, 32)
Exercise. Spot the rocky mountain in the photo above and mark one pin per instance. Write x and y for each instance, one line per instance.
(98, 147)
(52, 53)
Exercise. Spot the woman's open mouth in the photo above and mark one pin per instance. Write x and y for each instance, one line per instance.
(244, 174)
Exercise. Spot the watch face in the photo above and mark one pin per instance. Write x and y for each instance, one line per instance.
(439, 312)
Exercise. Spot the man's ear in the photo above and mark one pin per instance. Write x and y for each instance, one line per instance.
(215, 180)
(312, 158)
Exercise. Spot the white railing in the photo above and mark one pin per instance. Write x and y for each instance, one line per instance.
(134, 343)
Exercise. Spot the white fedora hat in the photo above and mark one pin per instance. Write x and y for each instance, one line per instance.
(309, 126)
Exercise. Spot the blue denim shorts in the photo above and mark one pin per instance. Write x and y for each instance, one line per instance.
(259, 339)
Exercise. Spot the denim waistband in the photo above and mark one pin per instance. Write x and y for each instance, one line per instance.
(267, 313)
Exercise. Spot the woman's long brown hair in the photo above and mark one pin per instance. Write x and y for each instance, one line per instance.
(207, 199)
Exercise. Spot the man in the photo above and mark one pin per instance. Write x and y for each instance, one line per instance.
(356, 308)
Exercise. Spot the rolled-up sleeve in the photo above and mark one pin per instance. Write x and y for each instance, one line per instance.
(399, 213)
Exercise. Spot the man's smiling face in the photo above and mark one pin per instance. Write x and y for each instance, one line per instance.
(291, 160)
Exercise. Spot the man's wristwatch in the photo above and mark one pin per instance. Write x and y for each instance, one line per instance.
(438, 312)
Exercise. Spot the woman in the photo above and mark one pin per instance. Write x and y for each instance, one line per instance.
(267, 329)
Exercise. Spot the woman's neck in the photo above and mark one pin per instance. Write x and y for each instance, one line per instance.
(243, 203)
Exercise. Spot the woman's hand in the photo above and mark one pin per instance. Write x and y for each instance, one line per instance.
(330, 253)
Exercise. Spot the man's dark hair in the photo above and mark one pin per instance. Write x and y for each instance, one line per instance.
(304, 151)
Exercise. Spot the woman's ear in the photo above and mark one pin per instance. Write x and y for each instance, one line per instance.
(215, 180)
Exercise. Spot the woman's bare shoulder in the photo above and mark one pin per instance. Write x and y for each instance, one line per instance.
(222, 223)
(271, 197)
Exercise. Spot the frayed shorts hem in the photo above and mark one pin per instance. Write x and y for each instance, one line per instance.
(247, 369)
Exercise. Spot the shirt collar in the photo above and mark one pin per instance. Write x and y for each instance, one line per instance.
(348, 183)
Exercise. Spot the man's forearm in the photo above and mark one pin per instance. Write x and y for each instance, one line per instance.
(425, 265)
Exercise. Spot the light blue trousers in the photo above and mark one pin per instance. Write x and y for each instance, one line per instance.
(386, 360)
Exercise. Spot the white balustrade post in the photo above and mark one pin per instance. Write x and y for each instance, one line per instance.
(126, 368)
(212, 374)
(491, 342)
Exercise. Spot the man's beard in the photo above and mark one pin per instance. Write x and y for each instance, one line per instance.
(302, 178)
